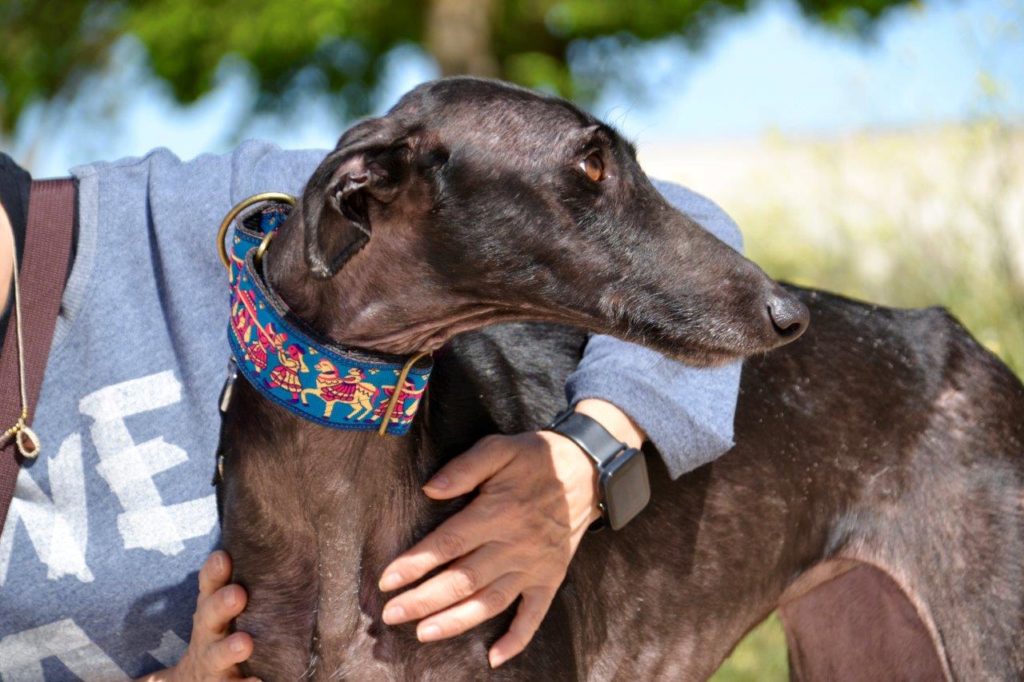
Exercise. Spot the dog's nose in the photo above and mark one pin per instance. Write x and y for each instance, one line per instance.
(788, 314)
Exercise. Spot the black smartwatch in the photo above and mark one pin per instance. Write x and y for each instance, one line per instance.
(623, 486)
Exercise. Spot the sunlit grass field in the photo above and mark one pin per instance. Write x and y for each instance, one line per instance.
(918, 218)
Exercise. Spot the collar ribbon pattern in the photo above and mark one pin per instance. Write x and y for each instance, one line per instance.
(281, 357)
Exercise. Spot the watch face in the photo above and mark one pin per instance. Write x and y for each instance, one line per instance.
(626, 488)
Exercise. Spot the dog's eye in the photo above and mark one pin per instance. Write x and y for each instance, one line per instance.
(593, 167)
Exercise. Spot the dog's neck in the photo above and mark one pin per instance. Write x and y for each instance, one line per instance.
(362, 490)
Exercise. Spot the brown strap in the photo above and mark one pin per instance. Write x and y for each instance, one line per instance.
(42, 272)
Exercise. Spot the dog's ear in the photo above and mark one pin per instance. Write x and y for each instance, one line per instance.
(368, 165)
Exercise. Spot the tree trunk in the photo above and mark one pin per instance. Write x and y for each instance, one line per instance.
(459, 36)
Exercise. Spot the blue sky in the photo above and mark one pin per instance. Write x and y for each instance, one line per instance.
(766, 71)
(772, 71)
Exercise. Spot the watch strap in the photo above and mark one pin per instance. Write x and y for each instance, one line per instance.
(595, 440)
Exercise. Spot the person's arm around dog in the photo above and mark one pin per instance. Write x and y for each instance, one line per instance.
(537, 492)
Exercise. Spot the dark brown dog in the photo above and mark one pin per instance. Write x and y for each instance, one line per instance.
(883, 441)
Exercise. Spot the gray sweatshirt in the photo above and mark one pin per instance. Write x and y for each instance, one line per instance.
(99, 554)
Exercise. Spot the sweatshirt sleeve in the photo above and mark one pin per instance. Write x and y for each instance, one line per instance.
(686, 412)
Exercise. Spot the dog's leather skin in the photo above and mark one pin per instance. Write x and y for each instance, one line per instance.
(881, 437)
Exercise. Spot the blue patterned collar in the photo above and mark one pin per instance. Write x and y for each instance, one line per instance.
(286, 361)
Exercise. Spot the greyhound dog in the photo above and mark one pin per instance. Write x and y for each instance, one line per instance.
(874, 493)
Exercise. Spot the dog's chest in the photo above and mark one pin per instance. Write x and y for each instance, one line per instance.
(354, 644)
(352, 641)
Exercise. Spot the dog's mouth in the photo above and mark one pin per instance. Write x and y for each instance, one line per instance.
(691, 350)
(699, 352)
(678, 342)
(708, 331)
(708, 357)
(693, 322)
(430, 334)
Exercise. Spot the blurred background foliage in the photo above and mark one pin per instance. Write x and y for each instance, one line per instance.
(904, 218)
(52, 48)
(914, 216)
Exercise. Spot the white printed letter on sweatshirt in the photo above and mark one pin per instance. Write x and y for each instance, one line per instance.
(129, 467)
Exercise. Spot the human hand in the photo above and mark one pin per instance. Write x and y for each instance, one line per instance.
(213, 654)
(537, 496)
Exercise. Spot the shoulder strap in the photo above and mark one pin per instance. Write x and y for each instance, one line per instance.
(42, 271)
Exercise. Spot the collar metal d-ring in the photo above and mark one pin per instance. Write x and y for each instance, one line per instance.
(262, 248)
(222, 248)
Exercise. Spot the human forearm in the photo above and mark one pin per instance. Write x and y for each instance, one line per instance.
(6, 257)
(686, 412)
(617, 422)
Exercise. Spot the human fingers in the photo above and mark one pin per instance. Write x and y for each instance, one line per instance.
(212, 653)
(467, 471)
(529, 615)
(220, 657)
(462, 533)
(480, 607)
(215, 573)
(460, 580)
(214, 614)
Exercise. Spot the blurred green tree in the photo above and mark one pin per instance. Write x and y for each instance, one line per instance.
(50, 48)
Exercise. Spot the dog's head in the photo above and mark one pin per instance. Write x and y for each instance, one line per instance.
(473, 202)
